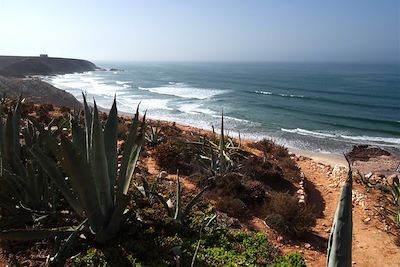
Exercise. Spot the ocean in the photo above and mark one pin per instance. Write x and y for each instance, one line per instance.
(324, 107)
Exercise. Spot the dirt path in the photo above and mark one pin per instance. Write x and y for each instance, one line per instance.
(372, 245)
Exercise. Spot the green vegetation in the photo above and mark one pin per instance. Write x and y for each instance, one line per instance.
(67, 183)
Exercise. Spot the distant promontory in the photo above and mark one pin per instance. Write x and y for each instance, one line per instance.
(16, 78)
(20, 66)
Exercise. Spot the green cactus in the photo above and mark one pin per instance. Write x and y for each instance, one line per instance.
(340, 239)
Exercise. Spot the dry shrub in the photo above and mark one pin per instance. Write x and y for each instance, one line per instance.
(64, 109)
(236, 186)
(169, 130)
(265, 171)
(123, 128)
(173, 155)
(233, 207)
(285, 214)
(47, 107)
(254, 192)
(272, 150)
(229, 185)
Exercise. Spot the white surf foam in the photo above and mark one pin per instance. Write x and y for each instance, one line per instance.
(195, 109)
(282, 95)
(184, 91)
(364, 138)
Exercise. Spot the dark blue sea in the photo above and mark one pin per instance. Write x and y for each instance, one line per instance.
(318, 107)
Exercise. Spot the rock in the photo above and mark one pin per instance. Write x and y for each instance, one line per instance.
(368, 175)
(300, 192)
(279, 238)
(392, 179)
(367, 219)
(307, 245)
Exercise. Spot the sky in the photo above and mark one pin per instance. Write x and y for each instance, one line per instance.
(206, 30)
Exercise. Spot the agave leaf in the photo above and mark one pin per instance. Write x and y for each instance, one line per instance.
(141, 190)
(81, 178)
(121, 203)
(110, 144)
(193, 201)
(30, 234)
(146, 185)
(1, 140)
(16, 123)
(50, 167)
(178, 198)
(340, 239)
(78, 134)
(11, 152)
(88, 126)
(222, 137)
(98, 163)
(33, 185)
(128, 147)
(62, 254)
(131, 154)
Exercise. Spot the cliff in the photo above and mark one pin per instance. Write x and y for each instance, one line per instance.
(16, 66)
(37, 91)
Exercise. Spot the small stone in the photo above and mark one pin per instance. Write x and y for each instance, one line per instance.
(367, 219)
(368, 175)
(300, 192)
(392, 179)
(307, 245)
(279, 238)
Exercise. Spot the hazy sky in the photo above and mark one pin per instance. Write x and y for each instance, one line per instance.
(203, 30)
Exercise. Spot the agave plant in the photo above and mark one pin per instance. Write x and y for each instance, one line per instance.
(90, 162)
(25, 190)
(393, 213)
(219, 158)
(89, 181)
(175, 210)
(153, 136)
(340, 244)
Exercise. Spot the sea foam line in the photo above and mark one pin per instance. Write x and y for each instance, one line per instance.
(388, 140)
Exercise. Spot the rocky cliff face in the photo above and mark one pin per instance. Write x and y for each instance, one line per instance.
(25, 66)
(37, 91)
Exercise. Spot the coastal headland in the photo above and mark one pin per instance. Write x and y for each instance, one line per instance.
(322, 174)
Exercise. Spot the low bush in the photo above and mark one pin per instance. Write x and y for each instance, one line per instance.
(292, 260)
(173, 155)
(265, 171)
(234, 207)
(285, 214)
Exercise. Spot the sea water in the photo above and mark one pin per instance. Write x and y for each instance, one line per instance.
(326, 107)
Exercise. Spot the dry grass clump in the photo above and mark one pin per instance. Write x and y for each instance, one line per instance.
(285, 214)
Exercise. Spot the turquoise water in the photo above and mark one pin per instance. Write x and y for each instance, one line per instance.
(318, 107)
